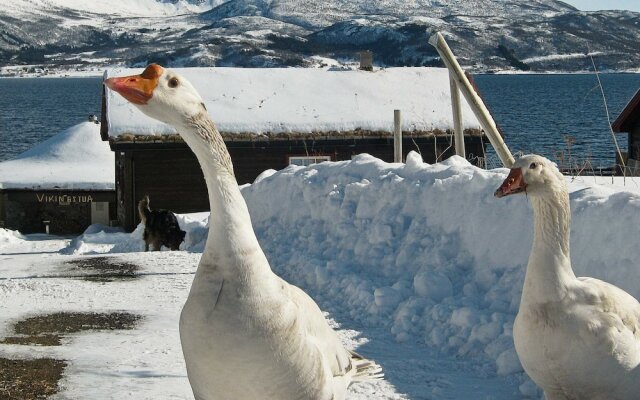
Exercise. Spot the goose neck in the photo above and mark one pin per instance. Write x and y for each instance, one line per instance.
(552, 220)
(549, 269)
(231, 240)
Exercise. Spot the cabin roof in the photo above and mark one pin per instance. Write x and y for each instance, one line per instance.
(629, 115)
(290, 101)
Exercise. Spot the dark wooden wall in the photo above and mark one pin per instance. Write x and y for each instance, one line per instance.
(25, 210)
(634, 142)
(170, 174)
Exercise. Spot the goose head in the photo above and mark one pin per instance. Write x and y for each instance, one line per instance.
(534, 175)
(160, 93)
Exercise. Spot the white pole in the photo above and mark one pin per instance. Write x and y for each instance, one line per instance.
(475, 102)
(456, 107)
(397, 136)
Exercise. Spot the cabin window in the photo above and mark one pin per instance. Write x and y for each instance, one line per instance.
(303, 161)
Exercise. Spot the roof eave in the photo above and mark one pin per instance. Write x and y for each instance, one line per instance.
(254, 137)
(628, 116)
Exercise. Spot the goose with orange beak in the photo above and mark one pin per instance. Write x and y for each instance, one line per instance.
(577, 338)
(246, 334)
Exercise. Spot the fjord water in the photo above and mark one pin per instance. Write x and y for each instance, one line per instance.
(34, 109)
(538, 113)
(535, 112)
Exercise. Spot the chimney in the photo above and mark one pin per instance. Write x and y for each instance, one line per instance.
(366, 60)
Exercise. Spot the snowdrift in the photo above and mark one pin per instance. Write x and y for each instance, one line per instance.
(424, 251)
(98, 238)
(8, 236)
(75, 158)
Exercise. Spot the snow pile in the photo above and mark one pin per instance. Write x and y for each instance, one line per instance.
(425, 251)
(304, 100)
(97, 238)
(8, 236)
(74, 159)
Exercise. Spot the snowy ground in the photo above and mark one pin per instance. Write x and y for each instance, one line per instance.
(419, 265)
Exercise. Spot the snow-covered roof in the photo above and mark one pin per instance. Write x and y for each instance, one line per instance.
(304, 100)
(74, 159)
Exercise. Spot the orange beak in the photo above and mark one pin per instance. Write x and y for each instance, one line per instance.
(137, 89)
(512, 185)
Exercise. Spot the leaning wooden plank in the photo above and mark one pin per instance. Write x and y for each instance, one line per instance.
(475, 102)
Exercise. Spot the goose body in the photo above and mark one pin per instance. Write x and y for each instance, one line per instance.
(577, 338)
(245, 332)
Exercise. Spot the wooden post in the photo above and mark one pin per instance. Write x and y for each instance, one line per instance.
(475, 102)
(397, 136)
(456, 108)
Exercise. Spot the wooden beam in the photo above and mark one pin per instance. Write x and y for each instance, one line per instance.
(475, 102)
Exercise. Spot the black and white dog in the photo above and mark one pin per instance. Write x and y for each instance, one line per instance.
(161, 227)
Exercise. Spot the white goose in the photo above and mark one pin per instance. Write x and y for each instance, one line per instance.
(577, 338)
(245, 332)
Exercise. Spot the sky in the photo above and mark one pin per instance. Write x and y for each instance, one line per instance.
(587, 5)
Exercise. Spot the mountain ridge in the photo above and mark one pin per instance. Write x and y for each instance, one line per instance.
(486, 35)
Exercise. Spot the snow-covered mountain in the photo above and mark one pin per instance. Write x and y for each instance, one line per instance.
(485, 34)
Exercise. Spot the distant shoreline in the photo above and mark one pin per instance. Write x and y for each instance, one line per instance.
(12, 72)
(57, 75)
(42, 71)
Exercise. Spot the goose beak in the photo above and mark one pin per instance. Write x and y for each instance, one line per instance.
(512, 185)
(138, 89)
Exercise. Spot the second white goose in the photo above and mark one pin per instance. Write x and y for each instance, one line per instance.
(577, 338)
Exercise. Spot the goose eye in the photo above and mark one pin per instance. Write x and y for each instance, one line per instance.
(533, 165)
(173, 82)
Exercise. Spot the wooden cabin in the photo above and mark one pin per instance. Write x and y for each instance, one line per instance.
(271, 118)
(629, 122)
(55, 211)
(60, 186)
